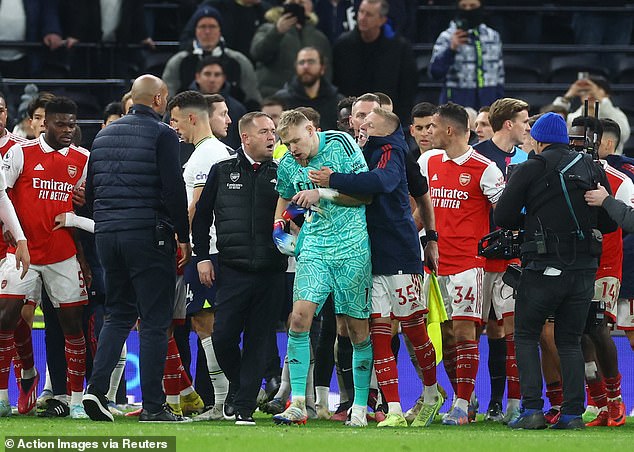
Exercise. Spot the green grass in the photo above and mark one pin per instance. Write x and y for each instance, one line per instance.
(329, 436)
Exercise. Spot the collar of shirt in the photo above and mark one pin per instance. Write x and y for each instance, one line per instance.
(459, 160)
(251, 161)
(48, 149)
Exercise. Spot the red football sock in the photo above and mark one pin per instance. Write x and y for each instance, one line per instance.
(384, 361)
(185, 380)
(467, 360)
(75, 349)
(23, 344)
(512, 374)
(7, 351)
(449, 361)
(555, 393)
(597, 391)
(613, 386)
(172, 372)
(416, 331)
(589, 400)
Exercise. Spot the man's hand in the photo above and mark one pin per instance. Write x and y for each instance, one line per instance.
(595, 198)
(458, 38)
(186, 254)
(60, 221)
(22, 258)
(321, 177)
(284, 241)
(70, 42)
(85, 268)
(431, 256)
(306, 198)
(285, 23)
(53, 41)
(79, 196)
(8, 237)
(206, 273)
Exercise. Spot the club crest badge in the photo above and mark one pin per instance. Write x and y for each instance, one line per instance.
(464, 179)
(234, 177)
(72, 170)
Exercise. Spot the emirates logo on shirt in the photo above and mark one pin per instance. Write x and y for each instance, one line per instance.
(464, 179)
(72, 170)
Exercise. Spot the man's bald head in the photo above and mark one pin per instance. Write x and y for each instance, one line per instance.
(151, 91)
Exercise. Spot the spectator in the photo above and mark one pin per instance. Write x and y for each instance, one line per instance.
(595, 88)
(27, 20)
(241, 18)
(273, 107)
(467, 57)
(181, 68)
(368, 60)
(277, 42)
(309, 88)
(335, 17)
(211, 79)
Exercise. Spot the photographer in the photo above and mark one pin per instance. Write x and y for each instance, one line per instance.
(559, 259)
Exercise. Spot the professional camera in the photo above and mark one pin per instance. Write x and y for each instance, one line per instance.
(500, 244)
(583, 142)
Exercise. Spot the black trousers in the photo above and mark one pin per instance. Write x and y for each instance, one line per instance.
(140, 283)
(568, 297)
(247, 303)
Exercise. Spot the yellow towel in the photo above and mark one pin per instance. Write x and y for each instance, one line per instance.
(436, 315)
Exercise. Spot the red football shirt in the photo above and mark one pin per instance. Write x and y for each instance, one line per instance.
(6, 142)
(462, 191)
(42, 181)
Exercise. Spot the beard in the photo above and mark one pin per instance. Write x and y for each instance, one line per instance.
(308, 80)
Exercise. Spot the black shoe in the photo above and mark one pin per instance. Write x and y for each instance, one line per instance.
(343, 407)
(271, 387)
(569, 422)
(165, 415)
(55, 408)
(244, 420)
(530, 419)
(96, 405)
(495, 412)
(229, 410)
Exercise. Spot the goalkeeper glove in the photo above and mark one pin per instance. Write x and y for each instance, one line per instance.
(295, 214)
(284, 241)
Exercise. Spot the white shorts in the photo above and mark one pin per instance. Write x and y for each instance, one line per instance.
(607, 289)
(397, 296)
(498, 294)
(625, 314)
(63, 282)
(462, 294)
(180, 300)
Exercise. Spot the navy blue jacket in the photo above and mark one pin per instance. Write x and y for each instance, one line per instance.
(134, 175)
(393, 234)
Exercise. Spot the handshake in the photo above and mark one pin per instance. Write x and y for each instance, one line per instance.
(285, 241)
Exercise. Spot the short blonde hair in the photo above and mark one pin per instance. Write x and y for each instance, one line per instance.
(391, 120)
(290, 118)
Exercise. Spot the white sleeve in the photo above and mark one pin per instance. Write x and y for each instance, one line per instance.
(75, 221)
(84, 174)
(7, 212)
(625, 192)
(492, 183)
(12, 164)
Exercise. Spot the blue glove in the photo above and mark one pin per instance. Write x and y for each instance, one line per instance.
(295, 214)
(284, 241)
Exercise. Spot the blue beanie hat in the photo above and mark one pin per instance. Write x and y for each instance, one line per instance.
(207, 11)
(550, 128)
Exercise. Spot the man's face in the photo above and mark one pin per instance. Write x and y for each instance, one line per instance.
(483, 126)
(421, 132)
(299, 141)
(211, 79)
(519, 127)
(359, 111)
(343, 120)
(469, 4)
(369, 17)
(439, 132)
(59, 129)
(208, 33)
(274, 111)
(219, 120)
(308, 68)
(259, 139)
(180, 120)
(110, 119)
(373, 126)
(37, 121)
(3, 116)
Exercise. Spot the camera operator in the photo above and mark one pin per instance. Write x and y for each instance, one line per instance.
(559, 259)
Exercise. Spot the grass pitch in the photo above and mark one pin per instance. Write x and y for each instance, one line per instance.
(330, 436)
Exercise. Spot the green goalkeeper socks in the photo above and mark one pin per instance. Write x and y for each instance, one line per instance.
(298, 361)
(362, 371)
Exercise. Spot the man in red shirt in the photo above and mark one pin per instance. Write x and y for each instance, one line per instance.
(463, 186)
(42, 175)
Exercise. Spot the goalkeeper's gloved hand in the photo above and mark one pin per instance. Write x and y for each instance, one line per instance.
(295, 214)
(284, 241)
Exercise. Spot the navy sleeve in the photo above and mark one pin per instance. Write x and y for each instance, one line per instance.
(204, 216)
(382, 179)
(173, 191)
(416, 182)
